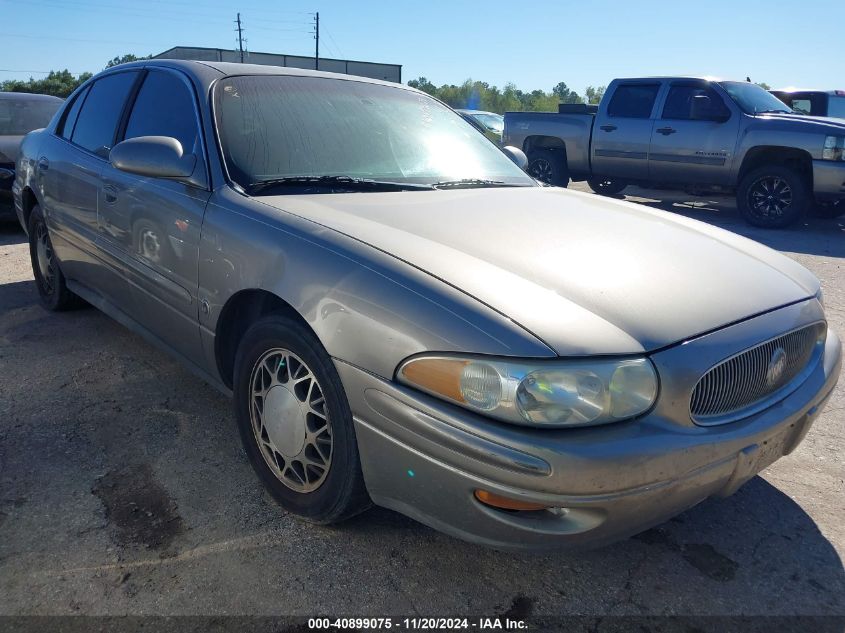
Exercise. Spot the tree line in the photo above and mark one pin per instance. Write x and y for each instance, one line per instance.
(59, 83)
(479, 95)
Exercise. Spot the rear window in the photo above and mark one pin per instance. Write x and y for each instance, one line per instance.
(97, 122)
(21, 116)
(633, 101)
(814, 103)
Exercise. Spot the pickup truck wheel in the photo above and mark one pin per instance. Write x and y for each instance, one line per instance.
(546, 166)
(606, 186)
(49, 280)
(772, 197)
(295, 422)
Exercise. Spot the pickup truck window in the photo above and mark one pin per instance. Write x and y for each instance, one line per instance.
(633, 101)
(752, 99)
(697, 103)
(836, 107)
(273, 127)
(19, 116)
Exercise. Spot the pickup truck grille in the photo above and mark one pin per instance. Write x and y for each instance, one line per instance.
(751, 380)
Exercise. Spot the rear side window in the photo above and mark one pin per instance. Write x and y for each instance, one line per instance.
(694, 103)
(633, 101)
(165, 107)
(72, 114)
(97, 121)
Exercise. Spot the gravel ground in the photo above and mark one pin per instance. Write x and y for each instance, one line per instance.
(124, 490)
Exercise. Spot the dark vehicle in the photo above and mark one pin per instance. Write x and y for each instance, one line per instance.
(691, 134)
(488, 123)
(829, 103)
(20, 113)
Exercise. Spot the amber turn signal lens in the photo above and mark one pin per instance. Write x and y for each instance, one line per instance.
(440, 376)
(504, 503)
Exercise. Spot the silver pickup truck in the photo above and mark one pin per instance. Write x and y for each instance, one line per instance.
(693, 134)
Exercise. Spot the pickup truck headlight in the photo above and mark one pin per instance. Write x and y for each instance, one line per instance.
(559, 393)
(834, 148)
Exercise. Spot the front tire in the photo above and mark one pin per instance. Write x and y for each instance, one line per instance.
(53, 292)
(773, 197)
(295, 422)
(548, 166)
(606, 186)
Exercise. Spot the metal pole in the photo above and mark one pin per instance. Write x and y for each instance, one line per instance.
(240, 38)
(317, 40)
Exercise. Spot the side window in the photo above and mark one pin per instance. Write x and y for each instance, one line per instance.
(836, 107)
(694, 103)
(633, 101)
(72, 114)
(97, 121)
(165, 107)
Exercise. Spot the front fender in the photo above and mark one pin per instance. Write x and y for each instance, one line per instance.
(366, 307)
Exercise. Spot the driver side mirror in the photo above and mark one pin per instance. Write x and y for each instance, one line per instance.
(516, 155)
(153, 156)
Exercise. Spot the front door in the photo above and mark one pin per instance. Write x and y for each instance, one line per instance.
(151, 226)
(694, 139)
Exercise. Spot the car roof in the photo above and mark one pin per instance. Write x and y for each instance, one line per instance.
(204, 71)
(805, 90)
(28, 96)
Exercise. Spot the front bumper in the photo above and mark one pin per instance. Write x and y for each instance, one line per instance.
(425, 458)
(829, 179)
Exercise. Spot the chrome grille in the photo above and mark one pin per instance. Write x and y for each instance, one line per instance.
(747, 381)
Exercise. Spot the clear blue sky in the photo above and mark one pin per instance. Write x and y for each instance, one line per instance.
(533, 44)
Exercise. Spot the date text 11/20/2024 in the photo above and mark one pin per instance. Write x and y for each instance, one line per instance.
(418, 624)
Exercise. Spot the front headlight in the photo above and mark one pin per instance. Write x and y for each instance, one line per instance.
(834, 148)
(557, 393)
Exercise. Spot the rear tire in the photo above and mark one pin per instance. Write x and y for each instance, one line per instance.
(773, 197)
(548, 166)
(53, 292)
(606, 186)
(295, 422)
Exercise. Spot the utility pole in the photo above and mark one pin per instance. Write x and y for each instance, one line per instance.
(240, 38)
(317, 40)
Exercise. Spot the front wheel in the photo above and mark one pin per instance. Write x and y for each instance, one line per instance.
(295, 422)
(773, 197)
(549, 167)
(606, 186)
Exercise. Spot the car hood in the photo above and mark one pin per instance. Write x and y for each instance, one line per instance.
(9, 148)
(823, 124)
(585, 274)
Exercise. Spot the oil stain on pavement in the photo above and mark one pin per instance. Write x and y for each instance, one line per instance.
(138, 507)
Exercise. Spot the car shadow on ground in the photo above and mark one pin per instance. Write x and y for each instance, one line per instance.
(812, 235)
(11, 233)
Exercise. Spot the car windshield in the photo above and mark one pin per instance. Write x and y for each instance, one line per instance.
(753, 99)
(283, 127)
(494, 122)
(21, 116)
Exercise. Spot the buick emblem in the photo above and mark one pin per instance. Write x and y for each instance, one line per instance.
(777, 365)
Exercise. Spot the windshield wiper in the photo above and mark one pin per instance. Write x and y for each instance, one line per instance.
(465, 183)
(341, 183)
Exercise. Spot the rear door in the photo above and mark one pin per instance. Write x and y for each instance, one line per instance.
(69, 168)
(150, 227)
(622, 131)
(693, 141)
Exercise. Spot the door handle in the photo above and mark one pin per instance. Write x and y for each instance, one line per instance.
(110, 194)
(43, 164)
(666, 131)
(608, 128)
